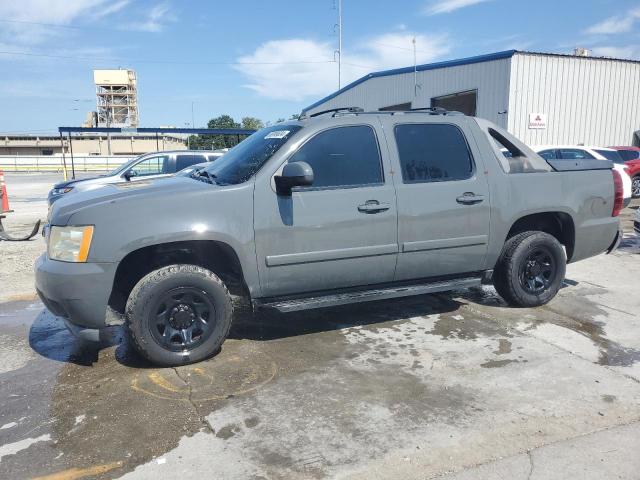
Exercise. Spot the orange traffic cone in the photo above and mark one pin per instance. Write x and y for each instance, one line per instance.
(4, 195)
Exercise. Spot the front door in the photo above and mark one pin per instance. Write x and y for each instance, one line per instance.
(339, 232)
(443, 199)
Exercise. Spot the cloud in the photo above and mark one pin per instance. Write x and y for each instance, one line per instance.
(298, 69)
(32, 22)
(615, 24)
(448, 6)
(155, 21)
(628, 51)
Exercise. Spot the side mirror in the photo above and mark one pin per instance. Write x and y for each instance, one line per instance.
(130, 173)
(294, 174)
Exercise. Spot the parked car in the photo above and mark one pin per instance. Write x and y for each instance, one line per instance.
(144, 167)
(636, 221)
(581, 152)
(331, 209)
(631, 157)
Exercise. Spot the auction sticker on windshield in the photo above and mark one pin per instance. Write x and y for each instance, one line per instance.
(277, 134)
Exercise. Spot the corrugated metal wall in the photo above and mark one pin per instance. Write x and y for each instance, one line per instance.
(587, 100)
(491, 79)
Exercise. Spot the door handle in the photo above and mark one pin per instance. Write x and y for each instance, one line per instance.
(373, 206)
(469, 198)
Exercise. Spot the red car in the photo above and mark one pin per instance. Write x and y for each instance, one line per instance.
(631, 157)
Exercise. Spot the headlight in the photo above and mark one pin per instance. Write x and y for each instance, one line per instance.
(70, 244)
(61, 191)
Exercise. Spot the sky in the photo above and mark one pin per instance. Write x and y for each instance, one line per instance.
(263, 58)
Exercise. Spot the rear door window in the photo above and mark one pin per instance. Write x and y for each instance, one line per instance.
(343, 157)
(184, 161)
(574, 154)
(433, 153)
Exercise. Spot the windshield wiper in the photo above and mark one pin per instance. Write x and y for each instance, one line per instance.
(202, 174)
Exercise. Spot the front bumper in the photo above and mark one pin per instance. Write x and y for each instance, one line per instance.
(77, 292)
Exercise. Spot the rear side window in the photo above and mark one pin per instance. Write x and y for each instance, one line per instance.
(629, 155)
(612, 155)
(574, 154)
(184, 161)
(343, 157)
(433, 153)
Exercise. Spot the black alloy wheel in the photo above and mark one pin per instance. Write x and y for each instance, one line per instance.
(537, 272)
(184, 318)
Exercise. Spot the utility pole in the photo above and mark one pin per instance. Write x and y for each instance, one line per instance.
(339, 51)
(108, 132)
(415, 69)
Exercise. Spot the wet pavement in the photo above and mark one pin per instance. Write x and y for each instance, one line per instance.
(408, 388)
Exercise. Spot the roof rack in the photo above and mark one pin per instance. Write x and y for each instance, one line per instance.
(304, 115)
(360, 111)
(435, 111)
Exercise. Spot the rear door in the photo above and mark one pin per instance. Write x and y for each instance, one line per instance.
(339, 232)
(443, 198)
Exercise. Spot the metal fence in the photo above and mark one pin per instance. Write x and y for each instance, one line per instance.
(54, 163)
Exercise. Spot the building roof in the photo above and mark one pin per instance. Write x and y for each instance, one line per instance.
(451, 63)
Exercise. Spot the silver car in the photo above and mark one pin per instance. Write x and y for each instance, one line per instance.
(150, 165)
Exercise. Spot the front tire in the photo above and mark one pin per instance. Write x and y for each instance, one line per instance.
(179, 314)
(530, 269)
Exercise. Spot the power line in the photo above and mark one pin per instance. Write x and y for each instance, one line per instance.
(170, 62)
(55, 25)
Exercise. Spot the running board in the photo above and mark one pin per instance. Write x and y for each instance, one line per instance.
(293, 305)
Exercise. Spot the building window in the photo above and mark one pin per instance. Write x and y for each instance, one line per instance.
(464, 102)
(47, 151)
(433, 153)
(401, 107)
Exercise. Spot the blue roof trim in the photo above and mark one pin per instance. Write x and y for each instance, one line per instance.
(420, 68)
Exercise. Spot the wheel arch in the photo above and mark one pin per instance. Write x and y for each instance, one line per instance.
(558, 224)
(217, 256)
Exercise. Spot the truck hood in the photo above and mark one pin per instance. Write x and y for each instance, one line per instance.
(122, 195)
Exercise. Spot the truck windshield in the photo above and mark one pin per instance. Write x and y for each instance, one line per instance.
(245, 159)
(612, 155)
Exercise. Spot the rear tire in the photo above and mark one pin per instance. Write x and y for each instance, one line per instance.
(179, 314)
(530, 269)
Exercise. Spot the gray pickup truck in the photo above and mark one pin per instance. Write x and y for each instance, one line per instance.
(340, 207)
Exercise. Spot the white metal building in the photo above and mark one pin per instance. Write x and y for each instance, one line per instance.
(542, 98)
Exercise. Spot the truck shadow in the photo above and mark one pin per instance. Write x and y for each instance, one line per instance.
(49, 337)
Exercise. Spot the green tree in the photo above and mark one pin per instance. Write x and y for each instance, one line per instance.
(252, 123)
(214, 142)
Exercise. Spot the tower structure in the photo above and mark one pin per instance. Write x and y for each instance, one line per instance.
(117, 98)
